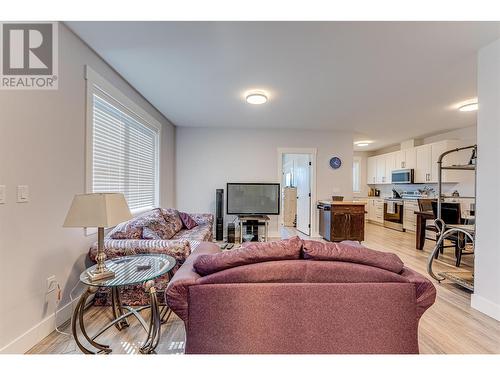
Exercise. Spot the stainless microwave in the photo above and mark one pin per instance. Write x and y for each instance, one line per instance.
(402, 176)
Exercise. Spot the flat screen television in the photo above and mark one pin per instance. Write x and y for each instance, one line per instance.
(253, 199)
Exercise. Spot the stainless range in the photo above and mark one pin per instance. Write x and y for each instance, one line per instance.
(393, 213)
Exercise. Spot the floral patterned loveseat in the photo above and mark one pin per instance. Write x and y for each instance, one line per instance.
(161, 231)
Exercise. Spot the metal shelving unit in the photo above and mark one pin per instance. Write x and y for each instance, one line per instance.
(464, 279)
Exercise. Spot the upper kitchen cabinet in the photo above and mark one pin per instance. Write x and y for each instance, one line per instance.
(371, 170)
(379, 168)
(423, 162)
(390, 165)
(423, 159)
(380, 163)
(426, 170)
(405, 159)
(436, 150)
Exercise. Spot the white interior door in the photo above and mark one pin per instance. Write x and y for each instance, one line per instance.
(302, 176)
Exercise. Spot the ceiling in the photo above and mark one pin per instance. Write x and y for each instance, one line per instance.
(386, 81)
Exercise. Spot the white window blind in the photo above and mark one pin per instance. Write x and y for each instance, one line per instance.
(124, 153)
(356, 176)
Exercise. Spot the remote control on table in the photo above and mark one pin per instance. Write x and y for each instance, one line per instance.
(229, 246)
(223, 245)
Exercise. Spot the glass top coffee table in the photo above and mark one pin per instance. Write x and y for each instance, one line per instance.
(129, 270)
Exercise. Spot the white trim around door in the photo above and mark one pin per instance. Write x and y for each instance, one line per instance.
(313, 153)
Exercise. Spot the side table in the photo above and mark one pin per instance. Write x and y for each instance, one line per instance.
(129, 270)
(255, 220)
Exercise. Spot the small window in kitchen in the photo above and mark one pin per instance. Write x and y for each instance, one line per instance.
(356, 175)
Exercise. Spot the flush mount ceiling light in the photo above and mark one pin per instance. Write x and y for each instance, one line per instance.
(469, 107)
(257, 97)
(362, 143)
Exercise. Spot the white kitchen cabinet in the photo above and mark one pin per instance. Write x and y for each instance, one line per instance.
(369, 209)
(380, 169)
(390, 165)
(423, 164)
(379, 211)
(409, 217)
(436, 150)
(371, 170)
(427, 156)
(400, 159)
(375, 209)
(405, 159)
(410, 158)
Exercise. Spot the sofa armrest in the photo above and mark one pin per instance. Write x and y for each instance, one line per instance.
(424, 288)
(176, 293)
(179, 249)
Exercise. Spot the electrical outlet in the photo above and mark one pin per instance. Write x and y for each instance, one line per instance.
(51, 283)
(23, 194)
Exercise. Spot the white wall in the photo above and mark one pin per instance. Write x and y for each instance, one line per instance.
(42, 143)
(486, 297)
(467, 136)
(207, 159)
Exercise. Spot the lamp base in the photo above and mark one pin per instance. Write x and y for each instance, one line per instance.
(96, 276)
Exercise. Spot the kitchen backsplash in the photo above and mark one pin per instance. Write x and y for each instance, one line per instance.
(448, 189)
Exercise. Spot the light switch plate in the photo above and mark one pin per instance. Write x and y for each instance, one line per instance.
(23, 194)
(2, 194)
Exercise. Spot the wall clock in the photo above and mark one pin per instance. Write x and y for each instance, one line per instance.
(335, 162)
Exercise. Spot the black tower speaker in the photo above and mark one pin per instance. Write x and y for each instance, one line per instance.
(231, 233)
(219, 214)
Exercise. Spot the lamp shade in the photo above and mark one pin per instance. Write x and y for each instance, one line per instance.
(99, 210)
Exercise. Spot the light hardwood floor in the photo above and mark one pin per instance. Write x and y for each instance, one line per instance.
(449, 326)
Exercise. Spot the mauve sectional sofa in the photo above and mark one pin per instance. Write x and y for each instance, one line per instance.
(297, 296)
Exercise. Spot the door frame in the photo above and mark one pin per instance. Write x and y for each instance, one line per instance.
(312, 180)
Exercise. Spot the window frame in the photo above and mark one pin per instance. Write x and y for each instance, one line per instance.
(96, 84)
(356, 159)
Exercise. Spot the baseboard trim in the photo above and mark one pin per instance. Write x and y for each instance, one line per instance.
(38, 332)
(316, 236)
(274, 235)
(485, 306)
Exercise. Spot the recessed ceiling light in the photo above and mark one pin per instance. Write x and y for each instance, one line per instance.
(256, 98)
(362, 144)
(468, 107)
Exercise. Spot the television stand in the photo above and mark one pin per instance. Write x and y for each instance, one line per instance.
(254, 221)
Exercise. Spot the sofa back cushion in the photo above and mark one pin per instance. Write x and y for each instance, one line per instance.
(302, 271)
(253, 253)
(348, 252)
(150, 225)
(187, 220)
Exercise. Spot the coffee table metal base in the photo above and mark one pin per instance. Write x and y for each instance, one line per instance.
(120, 321)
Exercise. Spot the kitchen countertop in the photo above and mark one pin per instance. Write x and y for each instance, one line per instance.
(343, 203)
